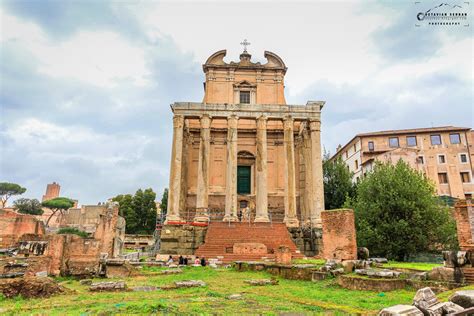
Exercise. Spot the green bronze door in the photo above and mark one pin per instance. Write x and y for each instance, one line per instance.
(243, 180)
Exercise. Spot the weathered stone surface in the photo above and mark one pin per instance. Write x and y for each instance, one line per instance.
(85, 282)
(262, 282)
(378, 273)
(319, 275)
(348, 265)
(250, 248)
(190, 283)
(172, 271)
(108, 286)
(441, 274)
(454, 258)
(235, 297)
(363, 254)
(144, 288)
(379, 260)
(463, 298)
(283, 255)
(450, 308)
(337, 271)
(41, 274)
(397, 310)
(425, 298)
(339, 235)
(30, 287)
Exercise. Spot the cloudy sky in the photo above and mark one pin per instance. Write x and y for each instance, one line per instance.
(85, 86)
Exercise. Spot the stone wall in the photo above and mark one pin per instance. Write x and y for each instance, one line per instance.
(181, 239)
(13, 225)
(339, 235)
(308, 240)
(464, 215)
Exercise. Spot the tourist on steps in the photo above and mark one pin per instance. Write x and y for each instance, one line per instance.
(203, 262)
(170, 261)
(197, 262)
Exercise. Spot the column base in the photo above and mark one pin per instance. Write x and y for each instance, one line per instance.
(230, 218)
(202, 215)
(261, 219)
(316, 223)
(291, 222)
(172, 218)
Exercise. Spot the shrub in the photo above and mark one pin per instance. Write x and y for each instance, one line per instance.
(74, 231)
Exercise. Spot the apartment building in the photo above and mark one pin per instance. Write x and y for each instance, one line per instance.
(445, 154)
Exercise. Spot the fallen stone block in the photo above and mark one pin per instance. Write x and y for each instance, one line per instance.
(337, 271)
(319, 275)
(235, 297)
(379, 260)
(85, 282)
(348, 265)
(440, 309)
(108, 286)
(189, 283)
(463, 298)
(451, 308)
(11, 275)
(41, 274)
(396, 310)
(262, 282)
(172, 271)
(144, 288)
(30, 287)
(441, 274)
(425, 298)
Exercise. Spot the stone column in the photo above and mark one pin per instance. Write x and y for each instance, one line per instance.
(231, 171)
(261, 207)
(290, 187)
(317, 174)
(175, 172)
(202, 196)
(308, 176)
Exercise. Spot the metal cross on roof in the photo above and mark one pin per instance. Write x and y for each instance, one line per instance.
(245, 44)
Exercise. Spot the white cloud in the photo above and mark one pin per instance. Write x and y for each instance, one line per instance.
(97, 58)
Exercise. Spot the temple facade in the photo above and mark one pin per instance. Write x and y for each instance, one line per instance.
(243, 154)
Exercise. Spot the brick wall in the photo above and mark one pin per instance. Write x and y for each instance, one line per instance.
(464, 215)
(339, 234)
(13, 225)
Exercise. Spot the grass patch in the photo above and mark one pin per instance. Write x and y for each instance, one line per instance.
(309, 261)
(289, 295)
(422, 266)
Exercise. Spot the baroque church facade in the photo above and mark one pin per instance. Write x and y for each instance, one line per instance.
(243, 153)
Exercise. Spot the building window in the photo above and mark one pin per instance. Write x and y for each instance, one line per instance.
(435, 139)
(371, 146)
(441, 159)
(455, 138)
(393, 142)
(411, 141)
(443, 178)
(465, 177)
(245, 97)
(355, 147)
(420, 160)
(356, 164)
(347, 154)
(463, 158)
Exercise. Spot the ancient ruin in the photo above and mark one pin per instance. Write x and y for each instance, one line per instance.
(244, 156)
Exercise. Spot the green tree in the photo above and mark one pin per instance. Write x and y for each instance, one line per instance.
(7, 190)
(164, 202)
(338, 186)
(28, 206)
(59, 204)
(398, 214)
(139, 211)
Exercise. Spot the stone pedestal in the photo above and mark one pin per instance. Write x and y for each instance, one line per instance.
(231, 171)
(175, 172)
(290, 187)
(261, 172)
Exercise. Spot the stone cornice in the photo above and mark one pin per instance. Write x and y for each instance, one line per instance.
(311, 111)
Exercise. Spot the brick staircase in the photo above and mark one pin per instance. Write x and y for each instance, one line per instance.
(468, 275)
(220, 238)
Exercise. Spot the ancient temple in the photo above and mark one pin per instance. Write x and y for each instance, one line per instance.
(243, 153)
